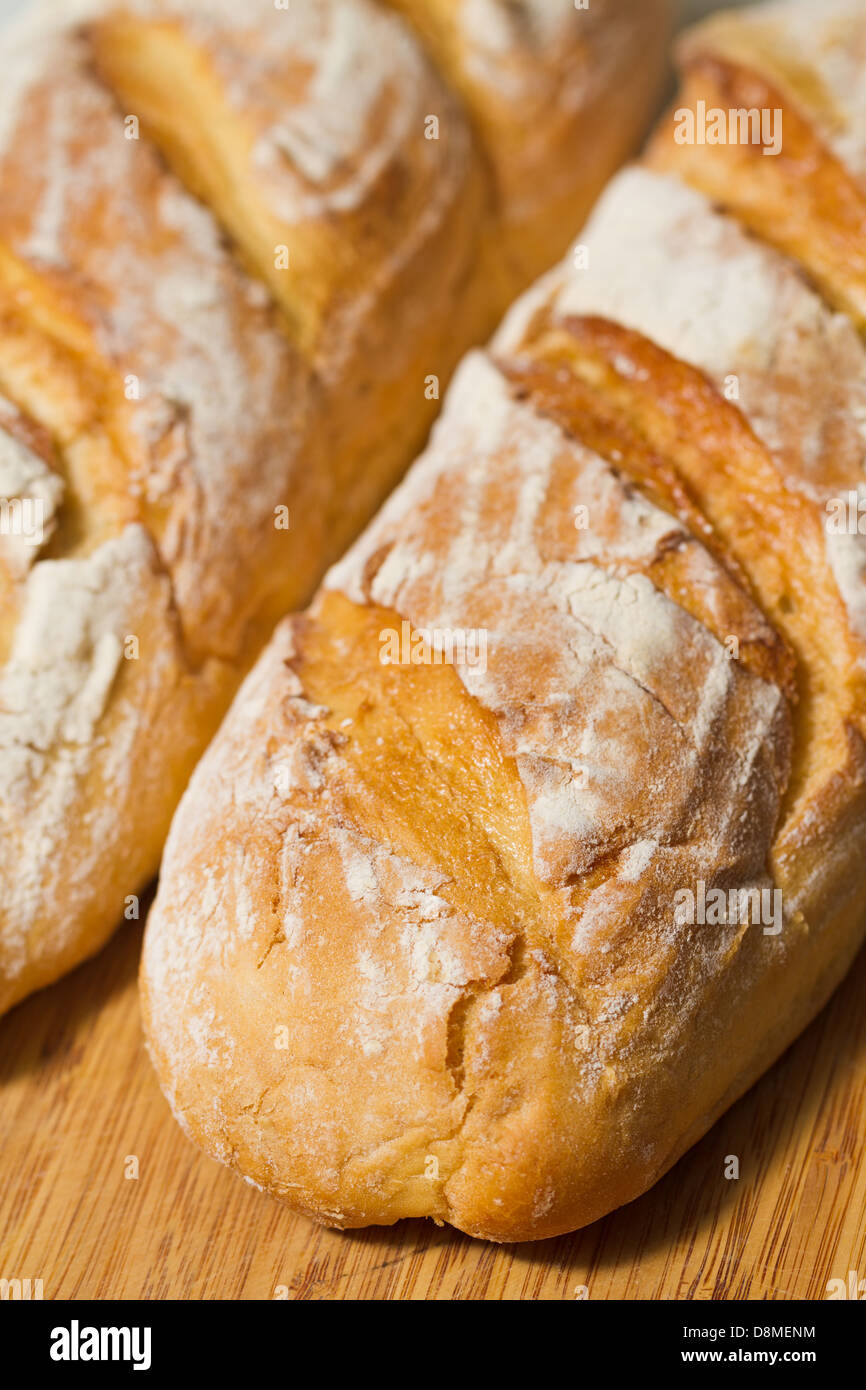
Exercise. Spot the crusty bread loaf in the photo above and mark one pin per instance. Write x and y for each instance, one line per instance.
(427, 939)
(239, 248)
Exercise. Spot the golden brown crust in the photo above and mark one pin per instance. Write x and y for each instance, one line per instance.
(809, 197)
(535, 78)
(576, 376)
(306, 132)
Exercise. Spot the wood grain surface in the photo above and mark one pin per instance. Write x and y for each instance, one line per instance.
(78, 1098)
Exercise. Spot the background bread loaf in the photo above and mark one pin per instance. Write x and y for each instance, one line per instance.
(233, 269)
(806, 64)
(423, 915)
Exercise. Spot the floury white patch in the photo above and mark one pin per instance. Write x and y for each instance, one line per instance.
(716, 908)
(713, 125)
(76, 1343)
(438, 646)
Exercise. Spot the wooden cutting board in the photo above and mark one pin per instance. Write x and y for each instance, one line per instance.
(79, 1101)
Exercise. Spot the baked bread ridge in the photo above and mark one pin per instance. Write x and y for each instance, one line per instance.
(534, 75)
(180, 408)
(351, 216)
(452, 874)
(802, 65)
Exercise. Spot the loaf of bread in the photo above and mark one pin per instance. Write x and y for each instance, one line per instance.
(528, 847)
(241, 250)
